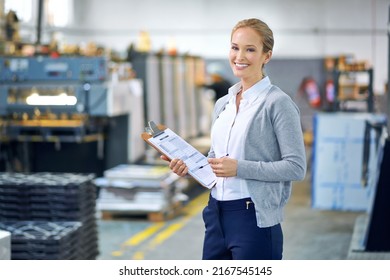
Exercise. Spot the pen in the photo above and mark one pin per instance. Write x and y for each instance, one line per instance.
(209, 163)
(200, 167)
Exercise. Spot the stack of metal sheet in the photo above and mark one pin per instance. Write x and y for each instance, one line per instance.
(137, 189)
(52, 197)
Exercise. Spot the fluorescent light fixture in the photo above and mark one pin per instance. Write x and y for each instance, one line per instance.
(61, 99)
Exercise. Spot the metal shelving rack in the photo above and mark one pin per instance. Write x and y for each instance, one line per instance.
(369, 99)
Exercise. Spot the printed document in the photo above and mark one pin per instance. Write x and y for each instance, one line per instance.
(173, 146)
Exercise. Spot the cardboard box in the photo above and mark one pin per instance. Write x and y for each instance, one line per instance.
(348, 91)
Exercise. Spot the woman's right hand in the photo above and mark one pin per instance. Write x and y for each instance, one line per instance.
(177, 166)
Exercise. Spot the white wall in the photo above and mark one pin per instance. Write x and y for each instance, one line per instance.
(303, 28)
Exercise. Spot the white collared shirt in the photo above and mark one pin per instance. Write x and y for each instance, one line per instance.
(228, 135)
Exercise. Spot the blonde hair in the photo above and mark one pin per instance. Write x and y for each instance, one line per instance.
(261, 28)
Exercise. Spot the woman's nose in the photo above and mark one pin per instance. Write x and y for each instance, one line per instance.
(240, 55)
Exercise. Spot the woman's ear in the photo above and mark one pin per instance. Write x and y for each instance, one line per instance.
(268, 57)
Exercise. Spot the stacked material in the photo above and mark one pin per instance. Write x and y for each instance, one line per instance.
(137, 189)
(52, 197)
(44, 240)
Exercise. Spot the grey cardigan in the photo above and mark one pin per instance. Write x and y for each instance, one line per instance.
(274, 154)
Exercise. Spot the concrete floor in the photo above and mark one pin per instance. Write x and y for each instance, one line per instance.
(309, 234)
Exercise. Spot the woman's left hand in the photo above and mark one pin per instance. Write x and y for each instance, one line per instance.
(223, 167)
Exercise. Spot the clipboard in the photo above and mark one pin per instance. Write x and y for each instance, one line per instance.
(168, 143)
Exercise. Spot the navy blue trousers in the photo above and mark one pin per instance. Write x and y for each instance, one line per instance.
(232, 233)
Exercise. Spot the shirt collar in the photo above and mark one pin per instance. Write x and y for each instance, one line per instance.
(252, 93)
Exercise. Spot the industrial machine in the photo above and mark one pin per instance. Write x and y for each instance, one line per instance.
(72, 102)
(61, 85)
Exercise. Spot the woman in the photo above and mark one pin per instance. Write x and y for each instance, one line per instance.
(257, 150)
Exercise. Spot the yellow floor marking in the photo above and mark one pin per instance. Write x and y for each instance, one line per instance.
(138, 256)
(190, 210)
(138, 238)
(117, 253)
(145, 234)
(165, 234)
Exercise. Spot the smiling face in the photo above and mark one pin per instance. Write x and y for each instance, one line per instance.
(247, 56)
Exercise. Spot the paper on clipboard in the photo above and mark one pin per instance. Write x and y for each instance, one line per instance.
(173, 146)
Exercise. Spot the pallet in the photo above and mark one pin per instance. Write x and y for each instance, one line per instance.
(174, 211)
